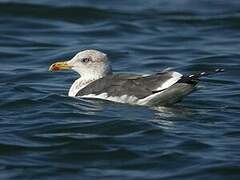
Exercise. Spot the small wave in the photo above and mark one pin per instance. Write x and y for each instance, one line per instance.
(50, 12)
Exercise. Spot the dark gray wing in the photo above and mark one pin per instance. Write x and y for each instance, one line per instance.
(125, 84)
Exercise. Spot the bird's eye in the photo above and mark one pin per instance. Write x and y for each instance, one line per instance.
(85, 60)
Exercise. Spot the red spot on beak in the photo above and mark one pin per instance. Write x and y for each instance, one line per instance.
(55, 68)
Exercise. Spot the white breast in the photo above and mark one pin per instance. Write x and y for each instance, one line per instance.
(77, 86)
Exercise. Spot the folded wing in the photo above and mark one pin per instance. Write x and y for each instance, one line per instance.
(131, 85)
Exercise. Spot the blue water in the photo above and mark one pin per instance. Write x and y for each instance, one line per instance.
(47, 135)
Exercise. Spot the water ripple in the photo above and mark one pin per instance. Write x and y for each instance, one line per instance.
(52, 136)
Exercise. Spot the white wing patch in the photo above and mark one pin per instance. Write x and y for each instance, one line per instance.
(175, 77)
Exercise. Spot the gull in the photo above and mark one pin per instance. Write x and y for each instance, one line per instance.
(98, 81)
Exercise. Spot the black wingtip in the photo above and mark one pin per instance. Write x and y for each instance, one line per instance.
(205, 73)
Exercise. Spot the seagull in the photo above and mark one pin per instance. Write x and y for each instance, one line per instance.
(98, 81)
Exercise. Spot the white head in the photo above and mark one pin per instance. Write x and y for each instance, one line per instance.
(90, 64)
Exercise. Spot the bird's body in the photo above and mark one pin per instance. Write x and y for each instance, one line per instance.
(97, 81)
(136, 89)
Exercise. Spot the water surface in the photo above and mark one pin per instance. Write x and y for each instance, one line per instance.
(47, 135)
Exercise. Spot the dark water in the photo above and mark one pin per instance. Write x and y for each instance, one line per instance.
(47, 135)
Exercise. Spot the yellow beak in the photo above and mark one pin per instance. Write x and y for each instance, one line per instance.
(58, 66)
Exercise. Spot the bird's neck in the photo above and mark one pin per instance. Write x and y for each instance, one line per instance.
(85, 80)
(80, 83)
